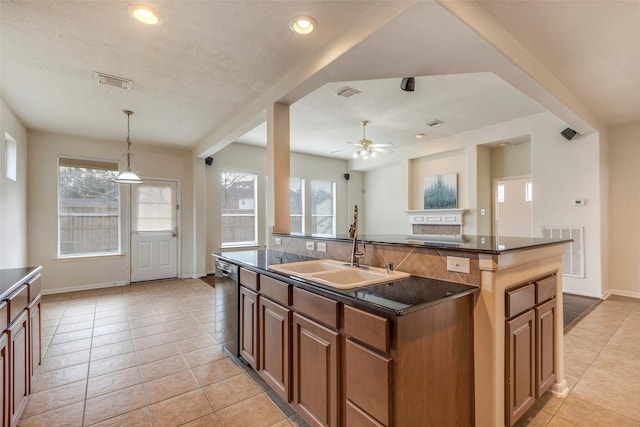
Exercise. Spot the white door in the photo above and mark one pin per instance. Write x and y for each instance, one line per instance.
(154, 230)
(513, 207)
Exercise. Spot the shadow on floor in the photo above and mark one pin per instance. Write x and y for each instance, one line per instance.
(575, 307)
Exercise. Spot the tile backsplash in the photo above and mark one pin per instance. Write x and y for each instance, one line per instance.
(423, 262)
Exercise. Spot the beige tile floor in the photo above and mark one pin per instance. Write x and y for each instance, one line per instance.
(144, 355)
(147, 355)
(602, 368)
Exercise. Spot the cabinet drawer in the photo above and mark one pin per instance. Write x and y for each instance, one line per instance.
(520, 299)
(35, 287)
(356, 417)
(317, 307)
(368, 380)
(17, 302)
(249, 279)
(368, 328)
(546, 289)
(276, 290)
(4, 317)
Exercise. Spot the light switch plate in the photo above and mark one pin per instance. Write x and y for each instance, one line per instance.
(322, 246)
(278, 241)
(458, 264)
(310, 246)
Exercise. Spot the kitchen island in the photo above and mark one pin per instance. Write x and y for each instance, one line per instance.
(398, 353)
(505, 272)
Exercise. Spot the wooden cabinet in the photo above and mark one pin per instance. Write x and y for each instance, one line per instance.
(35, 338)
(18, 333)
(315, 372)
(530, 341)
(248, 327)
(275, 346)
(4, 379)
(545, 346)
(520, 357)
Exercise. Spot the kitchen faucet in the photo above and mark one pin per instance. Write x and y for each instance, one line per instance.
(353, 233)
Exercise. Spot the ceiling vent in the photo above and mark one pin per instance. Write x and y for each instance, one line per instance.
(347, 92)
(105, 79)
(434, 123)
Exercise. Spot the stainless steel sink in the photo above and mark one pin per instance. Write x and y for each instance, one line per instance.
(337, 274)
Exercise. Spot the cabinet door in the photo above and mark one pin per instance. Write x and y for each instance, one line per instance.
(35, 339)
(4, 379)
(315, 372)
(19, 366)
(545, 346)
(520, 365)
(368, 380)
(275, 347)
(249, 326)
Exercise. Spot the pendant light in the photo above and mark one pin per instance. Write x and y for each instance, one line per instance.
(128, 176)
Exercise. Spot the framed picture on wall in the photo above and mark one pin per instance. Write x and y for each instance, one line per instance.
(441, 191)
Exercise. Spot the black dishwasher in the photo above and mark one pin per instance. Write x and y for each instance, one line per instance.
(227, 288)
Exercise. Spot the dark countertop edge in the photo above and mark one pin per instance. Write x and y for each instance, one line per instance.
(336, 294)
(443, 245)
(30, 272)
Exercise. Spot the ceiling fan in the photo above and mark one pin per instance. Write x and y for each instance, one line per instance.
(365, 147)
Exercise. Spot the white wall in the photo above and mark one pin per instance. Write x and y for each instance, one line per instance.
(560, 170)
(79, 273)
(13, 194)
(511, 160)
(383, 199)
(624, 156)
(252, 159)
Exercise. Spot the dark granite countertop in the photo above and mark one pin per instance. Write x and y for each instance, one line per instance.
(395, 298)
(12, 278)
(494, 245)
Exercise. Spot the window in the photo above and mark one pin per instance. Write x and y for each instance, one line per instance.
(296, 205)
(88, 208)
(11, 157)
(528, 191)
(239, 209)
(323, 208)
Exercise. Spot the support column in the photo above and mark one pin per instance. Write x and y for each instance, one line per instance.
(278, 158)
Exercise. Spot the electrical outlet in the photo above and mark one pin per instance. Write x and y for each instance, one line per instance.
(310, 246)
(458, 264)
(278, 241)
(322, 246)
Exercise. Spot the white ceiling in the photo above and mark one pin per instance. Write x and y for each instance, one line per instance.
(201, 71)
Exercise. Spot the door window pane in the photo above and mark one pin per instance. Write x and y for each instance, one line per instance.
(239, 209)
(88, 207)
(155, 209)
(323, 208)
(296, 204)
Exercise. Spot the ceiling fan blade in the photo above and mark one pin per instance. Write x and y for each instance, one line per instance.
(340, 150)
(382, 144)
(382, 150)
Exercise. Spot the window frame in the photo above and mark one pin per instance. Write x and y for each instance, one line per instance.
(334, 207)
(302, 216)
(119, 214)
(239, 244)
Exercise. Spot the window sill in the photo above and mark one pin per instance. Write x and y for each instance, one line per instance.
(88, 257)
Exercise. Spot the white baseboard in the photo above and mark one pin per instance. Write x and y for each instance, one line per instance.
(82, 288)
(193, 276)
(621, 293)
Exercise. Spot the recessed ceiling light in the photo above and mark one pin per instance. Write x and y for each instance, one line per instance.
(419, 135)
(302, 24)
(145, 14)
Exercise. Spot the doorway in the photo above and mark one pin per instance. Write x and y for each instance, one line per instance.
(154, 230)
(513, 214)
